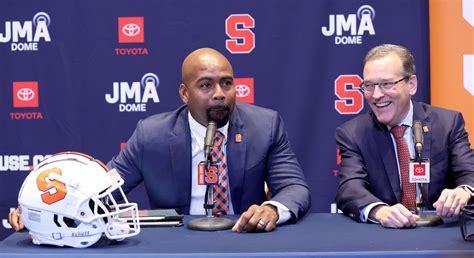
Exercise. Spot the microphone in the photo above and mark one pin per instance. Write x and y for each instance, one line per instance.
(210, 131)
(209, 223)
(429, 218)
(418, 135)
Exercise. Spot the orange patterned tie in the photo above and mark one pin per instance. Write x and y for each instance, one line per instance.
(408, 189)
(221, 197)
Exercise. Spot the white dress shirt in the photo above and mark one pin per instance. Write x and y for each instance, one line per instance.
(198, 133)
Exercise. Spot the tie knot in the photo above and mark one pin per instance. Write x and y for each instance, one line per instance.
(218, 139)
(398, 131)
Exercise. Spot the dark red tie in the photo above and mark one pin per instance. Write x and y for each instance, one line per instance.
(408, 189)
(221, 196)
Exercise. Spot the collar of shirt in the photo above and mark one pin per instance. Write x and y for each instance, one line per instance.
(408, 120)
(408, 135)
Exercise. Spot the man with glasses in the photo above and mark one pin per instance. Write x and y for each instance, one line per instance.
(376, 147)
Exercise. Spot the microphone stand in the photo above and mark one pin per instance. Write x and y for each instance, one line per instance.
(209, 223)
(427, 219)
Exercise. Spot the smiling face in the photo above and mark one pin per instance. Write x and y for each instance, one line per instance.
(389, 106)
(208, 86)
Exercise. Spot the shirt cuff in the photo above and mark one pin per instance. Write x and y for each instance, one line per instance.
(468, 189)
(284, 213)
(365, 211)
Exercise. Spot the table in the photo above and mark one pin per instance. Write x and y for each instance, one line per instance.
(318, 234)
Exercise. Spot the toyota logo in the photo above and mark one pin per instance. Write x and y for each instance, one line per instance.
(131, 29)
(419, 170)
(242, 90)
(25, 94)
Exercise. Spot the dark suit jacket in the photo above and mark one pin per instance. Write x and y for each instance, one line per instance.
(369, 170)
(159, 154)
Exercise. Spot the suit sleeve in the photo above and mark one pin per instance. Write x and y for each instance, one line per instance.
(285, 177)
(128, 162)
(461, 154)
(354, 187)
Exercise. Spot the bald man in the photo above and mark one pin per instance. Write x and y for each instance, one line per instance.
(165, 150)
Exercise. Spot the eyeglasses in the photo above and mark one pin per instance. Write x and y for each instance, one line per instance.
(370, 87)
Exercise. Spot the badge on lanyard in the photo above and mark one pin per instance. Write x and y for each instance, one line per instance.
(209, 177)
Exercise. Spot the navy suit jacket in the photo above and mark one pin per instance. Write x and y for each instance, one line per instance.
(159, 154)
(369, 171)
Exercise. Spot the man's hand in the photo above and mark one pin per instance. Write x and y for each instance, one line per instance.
(451, 201)
(257, 218)
(396, 216)
(14, 219)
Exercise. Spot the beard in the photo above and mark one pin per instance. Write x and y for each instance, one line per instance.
(219, 114)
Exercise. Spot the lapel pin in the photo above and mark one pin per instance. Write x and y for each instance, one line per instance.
(425, 129)
(238, 137)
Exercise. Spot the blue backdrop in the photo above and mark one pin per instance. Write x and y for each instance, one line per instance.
(77, 75)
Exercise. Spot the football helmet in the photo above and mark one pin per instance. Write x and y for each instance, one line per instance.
(466, 222)
(69, 199)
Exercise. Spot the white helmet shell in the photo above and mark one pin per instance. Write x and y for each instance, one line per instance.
(69, 199)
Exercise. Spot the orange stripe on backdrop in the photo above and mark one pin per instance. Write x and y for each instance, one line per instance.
(451, 42)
